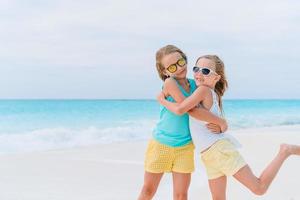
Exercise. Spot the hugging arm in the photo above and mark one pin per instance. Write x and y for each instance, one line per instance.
(216, 124)
(185, 105)
(188, 105)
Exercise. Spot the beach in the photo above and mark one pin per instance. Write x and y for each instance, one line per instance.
(115, 171)
(81, 95)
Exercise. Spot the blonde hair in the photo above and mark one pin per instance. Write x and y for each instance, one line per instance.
(222, 84)
(166, 50)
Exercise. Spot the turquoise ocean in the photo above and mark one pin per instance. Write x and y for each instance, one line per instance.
(33, 125)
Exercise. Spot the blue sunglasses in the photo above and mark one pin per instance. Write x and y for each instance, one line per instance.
(204, 70)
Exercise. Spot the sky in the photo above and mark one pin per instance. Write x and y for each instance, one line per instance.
(98, 49)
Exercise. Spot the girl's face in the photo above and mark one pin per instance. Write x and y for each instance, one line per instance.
(175, 65)
(201, 77)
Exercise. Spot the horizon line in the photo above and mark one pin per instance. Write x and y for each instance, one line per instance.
(133, 99)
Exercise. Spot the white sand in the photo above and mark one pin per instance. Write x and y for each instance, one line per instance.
(115, 171)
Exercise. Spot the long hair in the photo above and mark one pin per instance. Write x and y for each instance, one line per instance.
(166, 50)
(222, 84)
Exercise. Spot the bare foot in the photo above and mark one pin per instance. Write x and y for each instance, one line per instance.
(289, 149)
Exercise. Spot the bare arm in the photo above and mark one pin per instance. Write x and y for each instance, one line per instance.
(216, 124)
(187, 104)
(204, 115)
(171, 89)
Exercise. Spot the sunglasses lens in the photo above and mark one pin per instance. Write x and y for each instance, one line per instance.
(181, 62)
(172, 68)
(205, 71)
(196, 69)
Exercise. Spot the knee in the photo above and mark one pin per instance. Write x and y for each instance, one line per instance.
(148, 191)
(259, 190)
(181, 196)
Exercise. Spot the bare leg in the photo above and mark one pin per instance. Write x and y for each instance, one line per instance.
(260, 185)
(218, 188)
(181, 183)
(151, 182)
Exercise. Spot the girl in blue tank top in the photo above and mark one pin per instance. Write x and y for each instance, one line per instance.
(171, 149)
(173, 130)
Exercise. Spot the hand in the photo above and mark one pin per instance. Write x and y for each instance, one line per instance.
(224, 126)
(214, 128)
(160, 97)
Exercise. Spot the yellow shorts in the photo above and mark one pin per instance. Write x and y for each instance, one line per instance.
(162, 158)
(221, 159)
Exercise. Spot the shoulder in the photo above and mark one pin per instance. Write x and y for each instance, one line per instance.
(170, 82)
(202, 90)
(200, 94)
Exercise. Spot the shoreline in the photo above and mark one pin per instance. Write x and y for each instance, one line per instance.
(244, 131)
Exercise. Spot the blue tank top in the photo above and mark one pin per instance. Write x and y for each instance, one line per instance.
(173, 130)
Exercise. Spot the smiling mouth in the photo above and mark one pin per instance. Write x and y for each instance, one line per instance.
(181, 72)
(199, 81)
